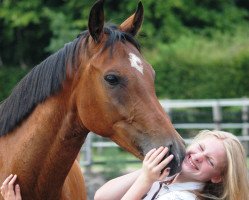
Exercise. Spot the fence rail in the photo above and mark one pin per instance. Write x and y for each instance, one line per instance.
(169, 105)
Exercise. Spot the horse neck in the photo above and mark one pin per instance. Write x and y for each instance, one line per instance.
(47, 144)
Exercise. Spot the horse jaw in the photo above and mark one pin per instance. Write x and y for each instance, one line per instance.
(139, 143)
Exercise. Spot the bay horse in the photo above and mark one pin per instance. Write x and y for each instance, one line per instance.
(99, 82)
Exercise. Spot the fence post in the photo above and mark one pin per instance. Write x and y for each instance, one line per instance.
(217, 115)
(87, 152)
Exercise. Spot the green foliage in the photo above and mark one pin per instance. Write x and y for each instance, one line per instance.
(37, 28)
(62, 32)
(8, 78)
(20, 13)
(199, 48)
(198, 67)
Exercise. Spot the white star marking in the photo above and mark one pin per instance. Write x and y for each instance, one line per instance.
(136, 62)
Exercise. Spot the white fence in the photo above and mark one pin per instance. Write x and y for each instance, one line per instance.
(169, 105)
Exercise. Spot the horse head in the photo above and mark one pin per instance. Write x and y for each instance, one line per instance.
(119, 100)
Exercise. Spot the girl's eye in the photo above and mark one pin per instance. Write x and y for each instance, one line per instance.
(210, 162)
(201, 148)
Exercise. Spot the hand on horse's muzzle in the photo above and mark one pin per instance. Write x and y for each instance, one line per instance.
(176, 162)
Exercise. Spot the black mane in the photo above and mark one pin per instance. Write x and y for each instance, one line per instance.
(46, 79)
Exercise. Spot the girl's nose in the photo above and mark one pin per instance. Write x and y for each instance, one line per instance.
(198, 157)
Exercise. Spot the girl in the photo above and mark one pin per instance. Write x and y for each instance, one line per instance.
(214, 168)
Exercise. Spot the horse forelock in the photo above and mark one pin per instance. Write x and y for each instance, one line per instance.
(116, 35)
(113, 35)
(46, 79)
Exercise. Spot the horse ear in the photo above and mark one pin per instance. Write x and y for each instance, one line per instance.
(96, 21)
(134, 22)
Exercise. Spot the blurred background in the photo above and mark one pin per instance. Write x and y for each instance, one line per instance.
(199, 50)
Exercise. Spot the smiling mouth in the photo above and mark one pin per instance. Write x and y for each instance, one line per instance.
(191, 163)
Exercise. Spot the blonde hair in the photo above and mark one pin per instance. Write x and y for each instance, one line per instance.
(235, 184)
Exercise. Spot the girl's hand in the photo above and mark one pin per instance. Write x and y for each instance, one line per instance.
(8, 191)
(152, 170)
(153, 165)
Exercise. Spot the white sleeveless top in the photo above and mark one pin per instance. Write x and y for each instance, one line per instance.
(174, 191)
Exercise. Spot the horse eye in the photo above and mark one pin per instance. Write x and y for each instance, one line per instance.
(112, 79)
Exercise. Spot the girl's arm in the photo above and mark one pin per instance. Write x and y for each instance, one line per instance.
(116, 188)
(151, 172)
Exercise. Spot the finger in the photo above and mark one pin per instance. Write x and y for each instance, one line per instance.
(18, 192)
(165, 162)
(7, 180)
(147, 156)
(155, 154)
(11, 183)
(164, 174)
(160, 156)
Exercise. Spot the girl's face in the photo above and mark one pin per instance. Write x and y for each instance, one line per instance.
(205, 160)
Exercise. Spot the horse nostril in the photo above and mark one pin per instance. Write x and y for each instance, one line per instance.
(170, 149)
